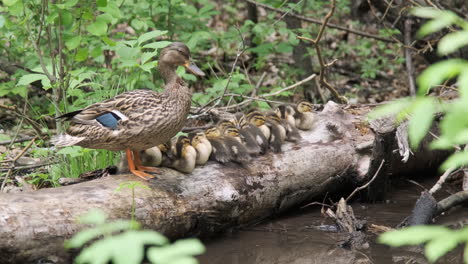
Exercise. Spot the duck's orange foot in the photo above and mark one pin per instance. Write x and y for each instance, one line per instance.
(149, 169)
(142, 174)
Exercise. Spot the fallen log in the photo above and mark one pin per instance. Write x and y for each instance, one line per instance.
(34, 225)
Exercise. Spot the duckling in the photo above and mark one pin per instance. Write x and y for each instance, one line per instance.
(258, 119)
(201, 144)
(278, 132)
(286, 113)
(254, 139)
(233, 141)
(185, 155)
(220, 151)
(166, 154)
(304, 117)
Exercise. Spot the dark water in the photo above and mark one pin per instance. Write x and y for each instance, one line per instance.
(293, 238)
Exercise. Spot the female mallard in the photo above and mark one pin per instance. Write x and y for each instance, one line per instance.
(138, 119)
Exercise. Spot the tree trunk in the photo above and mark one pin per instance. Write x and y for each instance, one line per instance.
(212, 198)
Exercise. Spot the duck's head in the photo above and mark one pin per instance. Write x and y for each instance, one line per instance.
(181, 146)
(283, 111)
(304, 106)
(256, 118)
(225, 124)
(213, 132)
(196, 138)
(178, 54)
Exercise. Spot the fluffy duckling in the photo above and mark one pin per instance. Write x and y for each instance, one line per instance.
(286, 113)
(233, 141)
(258, 119)
(304, 117)
(201, 144)
(254, 139)
(232, 128)
(220, 151)
(278, 132)
(185, 155)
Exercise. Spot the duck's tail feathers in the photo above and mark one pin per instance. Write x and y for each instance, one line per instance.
(64, 140)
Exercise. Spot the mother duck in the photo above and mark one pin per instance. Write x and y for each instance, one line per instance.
(136, 120)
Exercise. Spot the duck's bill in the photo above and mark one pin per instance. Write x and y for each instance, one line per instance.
(191, 67)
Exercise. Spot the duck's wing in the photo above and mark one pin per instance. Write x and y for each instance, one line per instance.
(109, 112)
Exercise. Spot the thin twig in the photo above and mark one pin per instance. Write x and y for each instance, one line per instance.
(238, 54)
(286, 13)
(18, 113)
(263, 97)
(10, 171)
(318, 22)
(441, 180)
(323, 65)
(367, 184)
(27, 167)
(408, 58)
(19, 140)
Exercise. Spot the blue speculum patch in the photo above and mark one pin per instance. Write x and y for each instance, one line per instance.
(109, 120)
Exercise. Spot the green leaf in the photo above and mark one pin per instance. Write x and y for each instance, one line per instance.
(263, 105)
(148, 66)
(95, 217)
(67, 18)
(440, 246)
(131, 185)
(105, 18)
(81, 55)
(463, 84)
(389, 109)
(9, 2)
(150, 35)
(455, 160)
(146, 56)
(125, 248)
(413, 235)
(127, 53)
(30, 78)
(284, 47)
(442, 142)
(444, 19)
(421, 120)
(67, 4)
(2, 21)
(157, 45)
(112, 8)
(452, 42)
(98, 28)
(138, 24)
(426, 12)
(439, 72)
(73, 151)
(465, 253)
(454, 121)
(16, 9)
(181, 249)
(108, 41)
(73, 42)
(101, 3)
(96, 52)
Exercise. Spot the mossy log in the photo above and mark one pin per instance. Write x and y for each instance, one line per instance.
(336, 152)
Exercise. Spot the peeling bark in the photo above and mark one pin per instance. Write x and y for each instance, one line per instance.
(211, 199)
